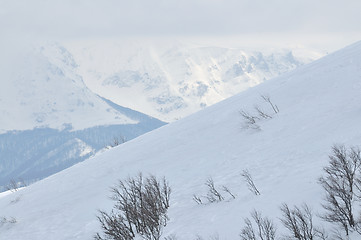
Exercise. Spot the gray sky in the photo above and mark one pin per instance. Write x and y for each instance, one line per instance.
(219, 18)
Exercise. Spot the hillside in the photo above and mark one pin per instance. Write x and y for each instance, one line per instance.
(50, 119)
(170, 80)
(318, 107)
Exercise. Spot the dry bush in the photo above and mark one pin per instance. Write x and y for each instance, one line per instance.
(13, 186)
(250, 183)
(267, 99)
(299, 222)
(117, 141)
(264, 228)
(342, 186)
(249, 120)
(213, 194)
(140, 208)
(252, 120)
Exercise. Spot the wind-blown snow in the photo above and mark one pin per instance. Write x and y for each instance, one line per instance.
(319, 106)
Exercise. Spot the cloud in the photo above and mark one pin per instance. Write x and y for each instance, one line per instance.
(83, 18)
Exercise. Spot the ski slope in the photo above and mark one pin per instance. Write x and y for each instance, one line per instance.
(319, 106)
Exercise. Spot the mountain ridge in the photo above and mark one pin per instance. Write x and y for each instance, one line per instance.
(171, 80)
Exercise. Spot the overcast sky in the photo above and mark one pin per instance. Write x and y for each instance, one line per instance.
(210, 18)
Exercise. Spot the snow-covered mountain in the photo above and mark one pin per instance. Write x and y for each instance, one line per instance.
(319, 106)
(41, 89)
(50, 119)
(171, 80)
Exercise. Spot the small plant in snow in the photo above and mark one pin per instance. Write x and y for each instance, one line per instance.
(252, 120)
(226, 190)
(197, 199)
(4, 220)
(13, 186)
(267, 99)
(250, 183)
(117, 141)
(213, 193)
(264, 228)
(262, 114)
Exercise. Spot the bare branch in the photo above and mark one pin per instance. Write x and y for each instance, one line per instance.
(262, 113)
(197, 199)
(299, 222)
(267, 99)
(250, 121)
(265, 229)
(140, 208)
(213, 194)
(251, 185)
(342, 186)
(226, 189)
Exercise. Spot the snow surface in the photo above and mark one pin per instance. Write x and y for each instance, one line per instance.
(170, 80)
(319, 106)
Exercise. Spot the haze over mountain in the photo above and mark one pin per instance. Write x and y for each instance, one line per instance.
(170, 80)
(318, 107)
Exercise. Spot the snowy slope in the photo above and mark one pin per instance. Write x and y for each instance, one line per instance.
(319, 106)
(170, 80)
(49, 119)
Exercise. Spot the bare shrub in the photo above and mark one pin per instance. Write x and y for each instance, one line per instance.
(4, 220)
(197, 199)
(342, 185)
(226, 189)
(250, 183)
(262, 113)
(140, 208)
(250, 121)
(213, 194)
(267, 99)
(264, 229)
(13, 186)
(299, 222)
(117, 141)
